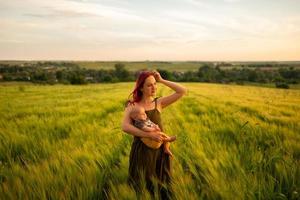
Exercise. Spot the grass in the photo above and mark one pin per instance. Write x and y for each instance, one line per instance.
(65, 142)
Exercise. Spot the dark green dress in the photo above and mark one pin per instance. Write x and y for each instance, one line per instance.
(146, 164)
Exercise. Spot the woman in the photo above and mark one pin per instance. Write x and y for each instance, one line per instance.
(147, 164)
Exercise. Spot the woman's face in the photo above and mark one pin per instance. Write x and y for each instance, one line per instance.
(149, 87)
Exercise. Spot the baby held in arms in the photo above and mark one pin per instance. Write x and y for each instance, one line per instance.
(142, 122)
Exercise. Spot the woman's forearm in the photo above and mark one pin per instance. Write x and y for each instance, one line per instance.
(154, 135)
(149, 129)
(175, 86)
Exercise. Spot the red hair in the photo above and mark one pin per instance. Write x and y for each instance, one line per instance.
(137, 93)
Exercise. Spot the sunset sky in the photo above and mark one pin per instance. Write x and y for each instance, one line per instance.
(169, 30)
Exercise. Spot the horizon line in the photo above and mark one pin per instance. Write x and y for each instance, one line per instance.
(69, 60)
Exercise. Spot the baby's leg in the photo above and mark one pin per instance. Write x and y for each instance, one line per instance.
(167, 148)
(169, 138)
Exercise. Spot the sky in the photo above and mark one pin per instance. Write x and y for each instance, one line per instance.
(138, 30)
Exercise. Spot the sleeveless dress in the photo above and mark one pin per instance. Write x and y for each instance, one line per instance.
(146, 164)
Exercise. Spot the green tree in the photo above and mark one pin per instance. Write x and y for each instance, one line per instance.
(120, 72)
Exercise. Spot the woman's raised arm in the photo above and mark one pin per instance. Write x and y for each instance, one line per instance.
(132, 130)
(179, 91)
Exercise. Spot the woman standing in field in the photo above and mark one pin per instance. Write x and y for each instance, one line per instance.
(147, 164)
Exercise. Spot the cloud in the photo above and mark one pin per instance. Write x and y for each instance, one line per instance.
(54, 13)
(153, 27)
(231, 1)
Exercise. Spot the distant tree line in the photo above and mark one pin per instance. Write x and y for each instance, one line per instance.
(71, 73)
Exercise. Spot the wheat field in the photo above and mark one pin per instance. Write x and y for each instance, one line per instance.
(65, 142)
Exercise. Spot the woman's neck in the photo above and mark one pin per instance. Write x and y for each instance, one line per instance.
(147, 100)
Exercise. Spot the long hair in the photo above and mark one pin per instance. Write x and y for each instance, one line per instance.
(137, 94)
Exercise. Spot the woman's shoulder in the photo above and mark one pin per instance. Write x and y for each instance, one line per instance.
(130, 106)
(158, 103)
(158, 99)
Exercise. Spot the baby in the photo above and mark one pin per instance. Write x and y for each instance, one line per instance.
(142, 122)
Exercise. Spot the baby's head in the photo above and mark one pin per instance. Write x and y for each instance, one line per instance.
(138, 112)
